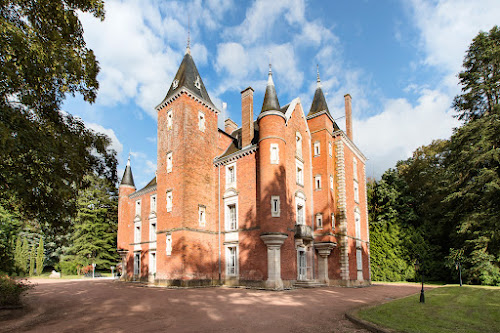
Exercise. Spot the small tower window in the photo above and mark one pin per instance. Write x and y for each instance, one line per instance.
(169, 119)
(331, 182)
(300, 172)
(201, 121)
(275, 206)
(298, 148)
(201, 216)
(275, 158)
(300, 214)
(319, 221)
(333, 222)
(317, 182)
(169, 245)
(169, 201)
(153, 203)
(355, 168)
(169, 162)
(356, 191)
(330, 149)
(138, 208)
(316, 148)
(231, 175)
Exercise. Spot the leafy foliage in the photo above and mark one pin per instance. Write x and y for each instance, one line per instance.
(40, 257)
(45, 152)
(9, 228)
(11, 291)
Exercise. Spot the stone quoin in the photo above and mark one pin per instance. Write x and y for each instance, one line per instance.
(277, 202)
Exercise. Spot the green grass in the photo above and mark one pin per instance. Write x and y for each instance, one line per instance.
(446, 309)
(45, 275)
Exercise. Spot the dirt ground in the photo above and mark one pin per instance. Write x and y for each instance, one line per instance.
(112, 306)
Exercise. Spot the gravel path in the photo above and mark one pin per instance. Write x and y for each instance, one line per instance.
(112, 306)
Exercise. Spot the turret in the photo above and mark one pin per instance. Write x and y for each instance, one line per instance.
(125, 217)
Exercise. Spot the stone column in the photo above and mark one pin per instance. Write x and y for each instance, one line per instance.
(273, 242)
(324, 250)
(123, 254)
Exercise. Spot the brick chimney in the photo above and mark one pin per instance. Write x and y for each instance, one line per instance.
(229, 126)
(246, 117)
(348, 115)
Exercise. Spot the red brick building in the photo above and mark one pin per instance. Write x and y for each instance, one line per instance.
(279, 201)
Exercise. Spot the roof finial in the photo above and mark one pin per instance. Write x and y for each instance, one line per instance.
(188, 48)
(318, 80)
(128, 161)
(270, 81)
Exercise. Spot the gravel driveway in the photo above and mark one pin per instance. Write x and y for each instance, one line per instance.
(112, 306)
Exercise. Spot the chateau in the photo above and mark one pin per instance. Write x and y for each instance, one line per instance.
(277, 202)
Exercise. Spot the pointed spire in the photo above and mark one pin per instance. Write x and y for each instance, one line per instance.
(188, 47)
(271, 98)
(318, 80)
(319, 101)
(127, 178)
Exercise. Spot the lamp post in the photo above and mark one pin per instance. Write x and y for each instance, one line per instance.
(417, 268)
(458, 266)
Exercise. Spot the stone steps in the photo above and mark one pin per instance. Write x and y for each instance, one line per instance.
(309, 284)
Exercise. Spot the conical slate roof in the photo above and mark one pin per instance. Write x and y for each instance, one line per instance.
(128, 179)
(319, 101)
(270, 98)
(187, 76)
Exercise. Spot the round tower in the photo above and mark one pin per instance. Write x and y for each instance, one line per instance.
(125, 210)
(272, 172)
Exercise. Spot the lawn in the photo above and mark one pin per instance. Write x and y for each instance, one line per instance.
(451, 309)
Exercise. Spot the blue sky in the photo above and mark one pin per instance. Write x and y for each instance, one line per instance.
(398, 59)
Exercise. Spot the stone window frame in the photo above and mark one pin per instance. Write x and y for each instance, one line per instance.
(170, 203)
(298, 144)
(168, 244)
(319, 221)
(137, 231)
(231, 183)
(153, 203)
(331, 182)
(333, 221)
(356, 191)
(170, 119)
(232, 270)
(151, 255)
(201, 121)
(138, 207)
(228, 202)
(355, 168)
(275, 206)
(316, 148)
(170, 161)
(202, 215)
(152, 235)
(330, 148)
(299, 174)
(317, 182)
(359, 262)
(274, 147)
(137, 263)
(357, 222)
(300, 200)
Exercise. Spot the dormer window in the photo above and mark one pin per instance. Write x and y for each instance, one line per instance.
(201, 121)
(175, 84)
(197, 82)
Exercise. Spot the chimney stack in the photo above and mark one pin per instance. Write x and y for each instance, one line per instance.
(246, 117)
(229, 126)
(348, 115)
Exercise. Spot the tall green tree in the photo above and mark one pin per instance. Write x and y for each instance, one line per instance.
(45, 152)
(95, 226)
(32, 260)
(40, 257)
(10, 245)
(25, 256)
(480, 78)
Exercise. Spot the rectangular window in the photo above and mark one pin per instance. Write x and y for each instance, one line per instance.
(152, 203)
(333, 222)
(232, 260)
(137, 263)
(233, 223)
(300, 172)
(201, 121)
(275, 156)
(169, 162)
(298, 148)
(275, 206)
(169, 201)
(357, 224)
(316, 148)
(317, 182)
(319, 221)
(359, 260)
(300, 214)
(138, 208)
(231, 175)
(137, 232)
(356, 191)
(355, 168)
(331, 182)
(169, 245)
(201, 216)
(152, 263)
(152, 232)
(169, 119)
(330, 149)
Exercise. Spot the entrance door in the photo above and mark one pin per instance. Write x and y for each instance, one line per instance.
(302, 263)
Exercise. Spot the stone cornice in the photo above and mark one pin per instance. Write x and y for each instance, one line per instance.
(236, 155)
(143, 191)
(188, 92)
(271, 112)
(317, 114)
(351, 144)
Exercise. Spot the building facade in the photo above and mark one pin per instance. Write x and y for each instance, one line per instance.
(279, 201)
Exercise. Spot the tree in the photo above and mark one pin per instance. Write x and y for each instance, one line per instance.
(32, 260)
(40, 257)
(25, 256)
(9, 228)
(95, 226)
(46, 152)
(480, 78)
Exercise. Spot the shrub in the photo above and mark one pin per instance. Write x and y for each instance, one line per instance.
(68, 267)
(11, 291)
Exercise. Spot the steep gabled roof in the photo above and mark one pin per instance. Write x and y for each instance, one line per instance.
(319, 101)
(235, 145)
(188, 77)
(270, 98)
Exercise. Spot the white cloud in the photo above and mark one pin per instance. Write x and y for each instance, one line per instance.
(115, 143)
(402, 127)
